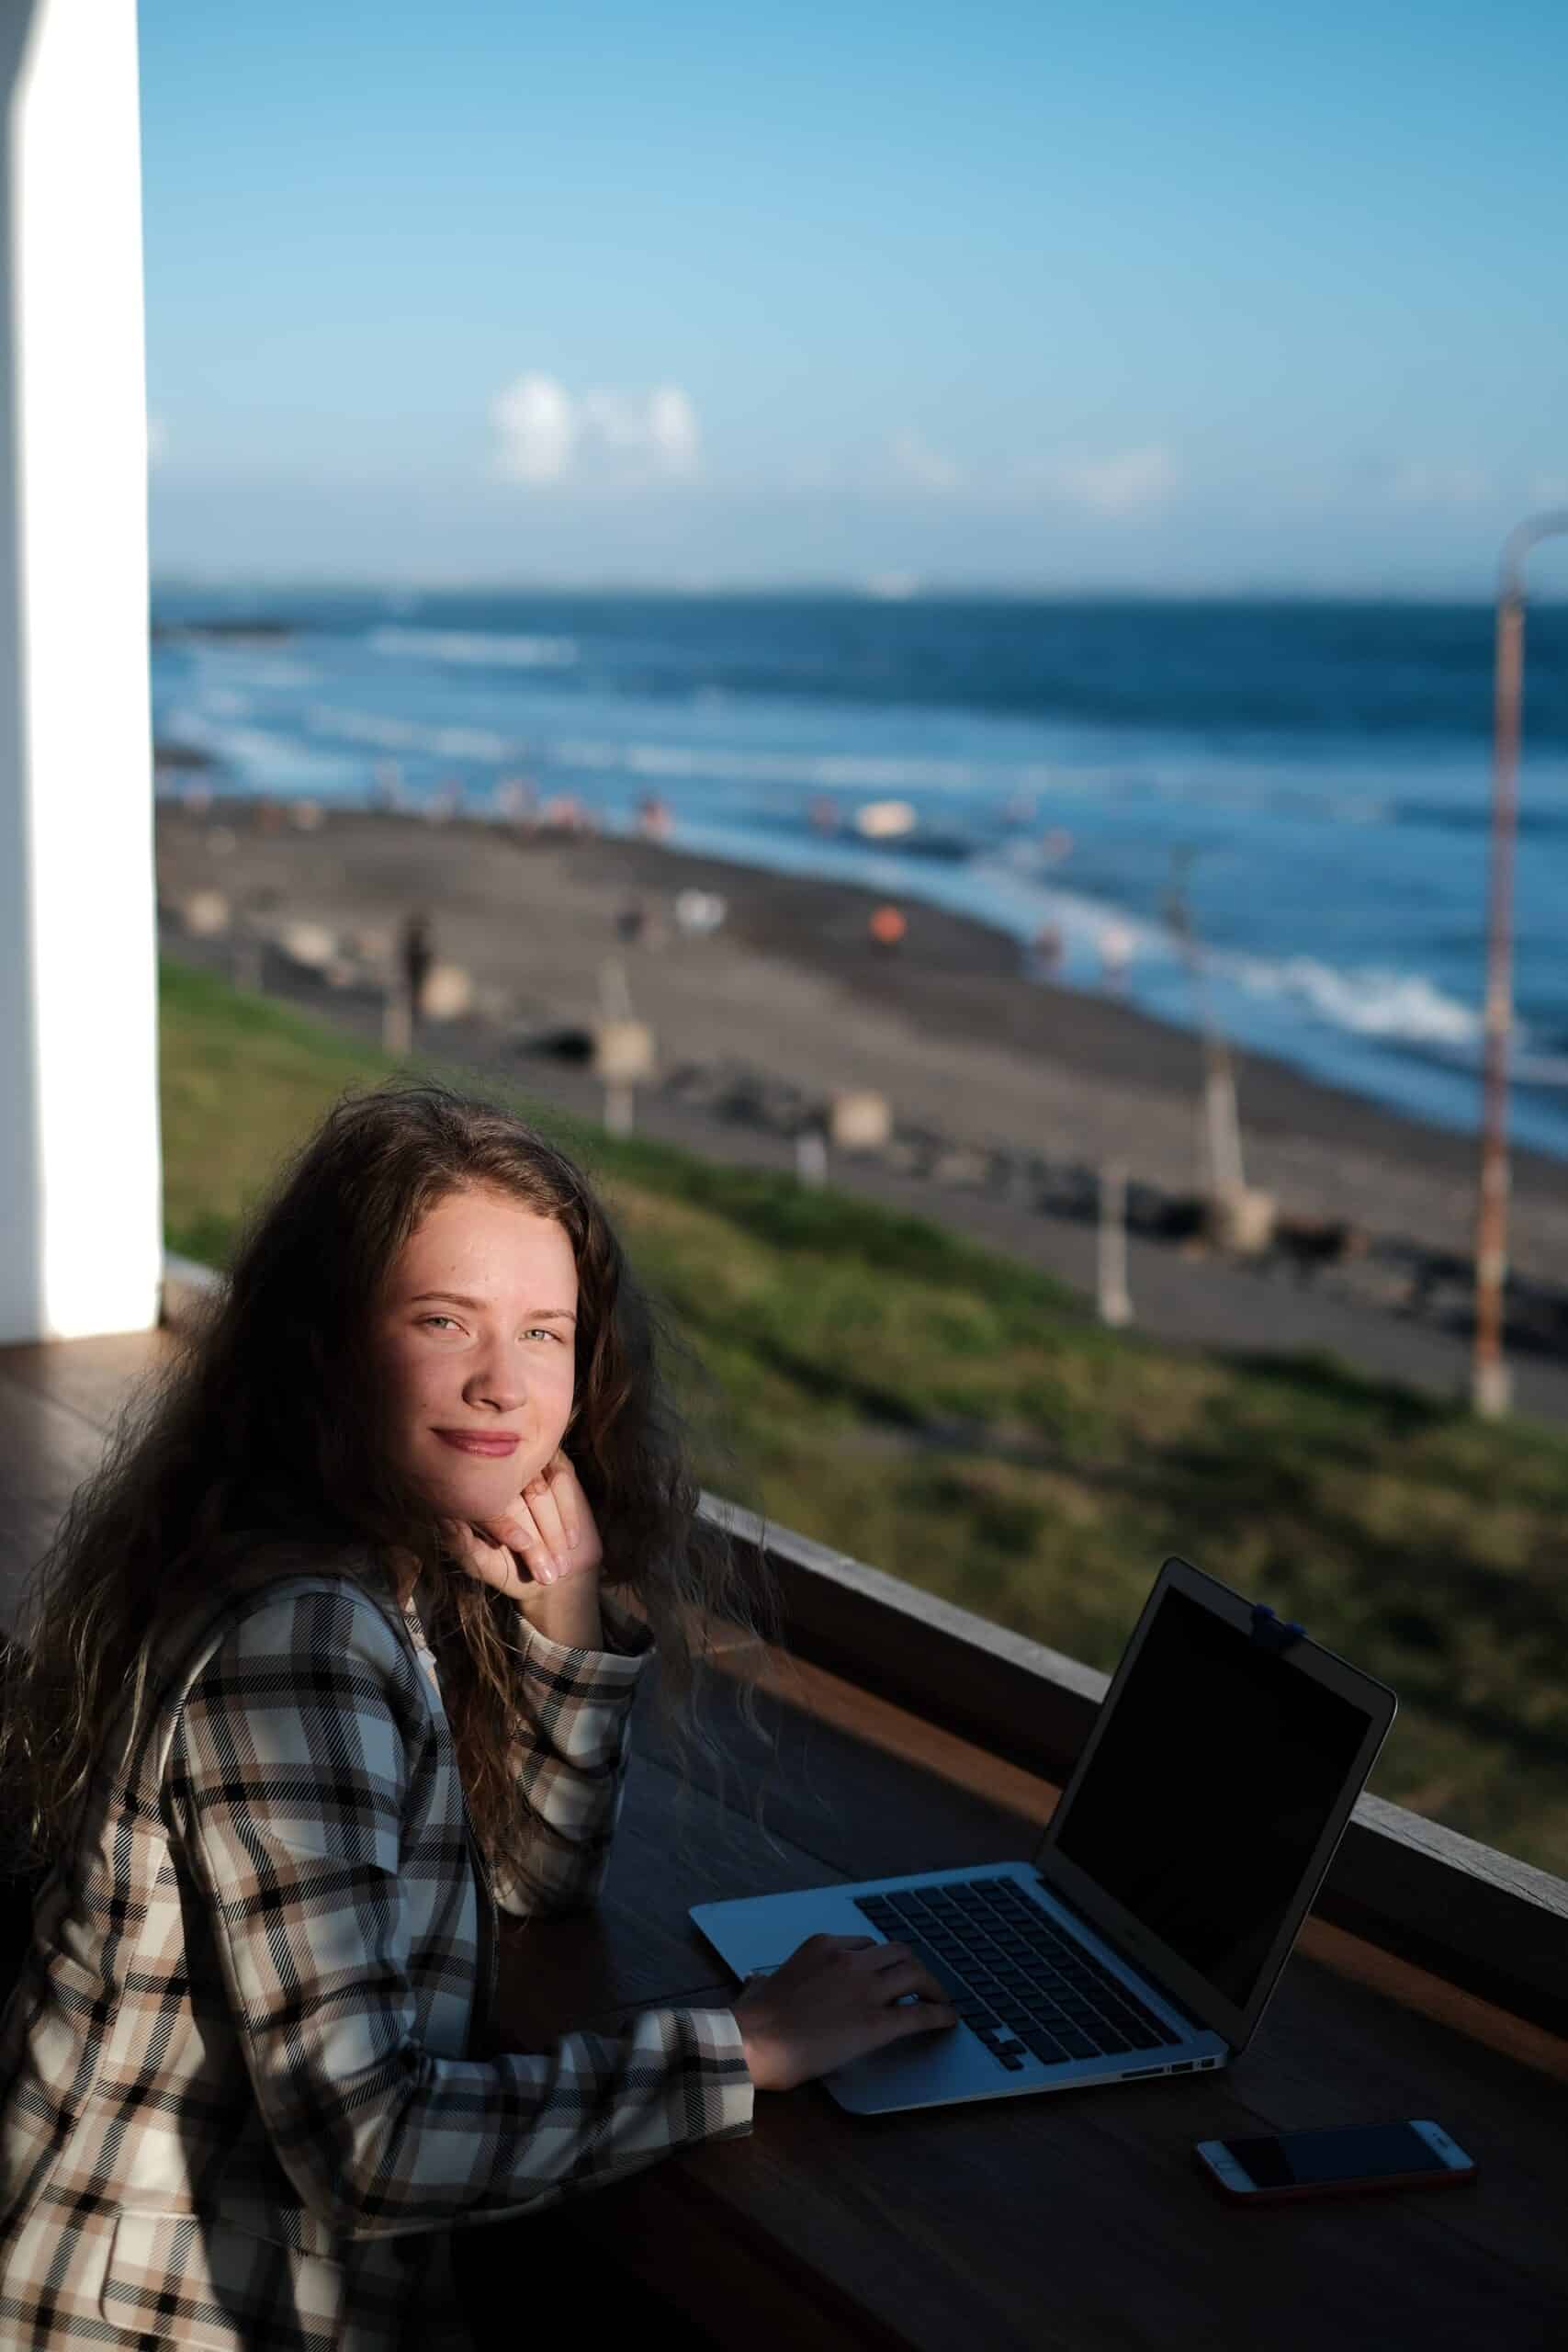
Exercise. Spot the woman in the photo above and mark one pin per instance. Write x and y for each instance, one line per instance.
(323, 1662)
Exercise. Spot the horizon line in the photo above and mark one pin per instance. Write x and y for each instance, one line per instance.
(866, 589)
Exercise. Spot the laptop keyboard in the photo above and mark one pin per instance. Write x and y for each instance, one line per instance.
(1017, 1980)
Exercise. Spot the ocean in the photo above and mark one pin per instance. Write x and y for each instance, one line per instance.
(1307, 785)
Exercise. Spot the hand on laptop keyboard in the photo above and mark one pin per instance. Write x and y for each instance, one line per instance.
(834, 1999)
(1017, 1982)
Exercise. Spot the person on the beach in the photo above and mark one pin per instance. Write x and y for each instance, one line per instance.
(516, 801)
(888, 925)
(416, 949)
(1049, 948)
(1117, 946)
(335, 1653)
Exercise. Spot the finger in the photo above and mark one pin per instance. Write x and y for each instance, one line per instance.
(539, 1501)
(884, 1957)
(547, 1560)
(519, 1531)
(897, 1983)
(563, 1491)
(921, 2016)
(490, 1563)
(460, 1541)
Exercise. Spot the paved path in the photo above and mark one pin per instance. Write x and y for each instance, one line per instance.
(1186, 1301)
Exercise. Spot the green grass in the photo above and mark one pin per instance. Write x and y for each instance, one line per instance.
(961, 1421)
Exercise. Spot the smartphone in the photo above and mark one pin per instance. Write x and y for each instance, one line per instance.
(1334, 2164)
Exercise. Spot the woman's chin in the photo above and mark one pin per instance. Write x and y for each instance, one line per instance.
(475, 1490)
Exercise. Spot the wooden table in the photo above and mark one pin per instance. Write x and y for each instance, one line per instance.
(1070, 2219)
(1075, 2220)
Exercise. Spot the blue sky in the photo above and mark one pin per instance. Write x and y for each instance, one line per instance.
(1131, 297)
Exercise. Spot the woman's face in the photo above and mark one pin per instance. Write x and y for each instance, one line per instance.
(475, 1343)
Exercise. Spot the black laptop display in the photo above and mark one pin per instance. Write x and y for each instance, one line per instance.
(1210, 1797)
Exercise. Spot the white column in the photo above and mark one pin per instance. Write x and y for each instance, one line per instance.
(80, 1175)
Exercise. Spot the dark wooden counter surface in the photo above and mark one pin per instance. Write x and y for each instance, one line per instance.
(1071, 2220)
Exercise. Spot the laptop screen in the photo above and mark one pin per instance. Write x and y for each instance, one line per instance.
(1210, 1785)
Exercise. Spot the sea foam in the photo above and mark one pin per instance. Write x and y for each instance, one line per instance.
(475, 649)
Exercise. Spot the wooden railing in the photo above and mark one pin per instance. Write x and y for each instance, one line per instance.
(1497, 1926)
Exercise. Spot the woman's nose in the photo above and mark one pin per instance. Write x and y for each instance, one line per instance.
(498, 1382)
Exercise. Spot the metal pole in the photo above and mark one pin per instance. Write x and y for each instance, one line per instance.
(1110, 1289)
(1489, 1373)
(811, 1157)
(397, 1017)
(1219, 1127)
(1490, 1384)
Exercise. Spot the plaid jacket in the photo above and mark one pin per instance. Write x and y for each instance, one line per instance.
(240, 2108)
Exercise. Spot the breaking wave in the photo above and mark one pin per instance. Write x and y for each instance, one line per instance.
(475, 649)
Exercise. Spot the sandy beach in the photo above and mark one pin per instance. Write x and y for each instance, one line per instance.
(945, 1025)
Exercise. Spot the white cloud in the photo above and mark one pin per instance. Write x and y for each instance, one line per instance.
(892, 587)
(1416, 484)
(545, 435)
(916, 462)
(1115, 485)
(673, 429)
(538, 429)
(1549, 490)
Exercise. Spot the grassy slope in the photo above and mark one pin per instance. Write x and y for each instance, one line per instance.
(959, 1420)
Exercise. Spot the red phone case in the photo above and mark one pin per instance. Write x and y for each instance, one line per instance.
(1301, 2191)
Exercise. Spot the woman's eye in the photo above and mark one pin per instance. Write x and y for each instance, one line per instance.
(450, 1323)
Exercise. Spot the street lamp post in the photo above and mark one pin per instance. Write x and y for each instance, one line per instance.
(1489, 1386)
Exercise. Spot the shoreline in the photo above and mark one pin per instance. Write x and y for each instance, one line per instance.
(1101, 1035)
(948, 1025)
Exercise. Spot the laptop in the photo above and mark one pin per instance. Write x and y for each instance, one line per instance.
(1147, 1930)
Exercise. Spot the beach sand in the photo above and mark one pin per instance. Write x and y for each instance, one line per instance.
(947, 1025)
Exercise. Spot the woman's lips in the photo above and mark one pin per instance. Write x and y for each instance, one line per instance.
(479, 1442)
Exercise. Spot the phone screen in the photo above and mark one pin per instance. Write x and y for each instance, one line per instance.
(1366, 2152)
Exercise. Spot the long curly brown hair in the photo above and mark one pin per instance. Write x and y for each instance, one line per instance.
(265, 1439)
